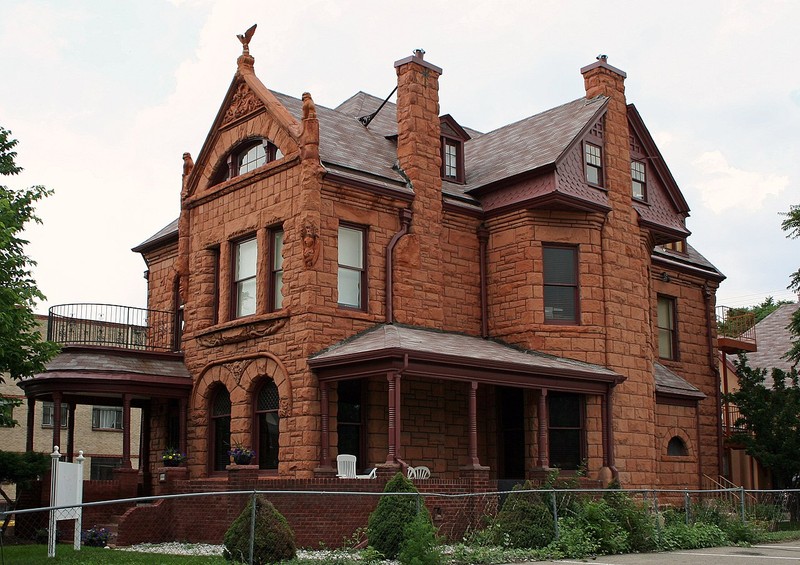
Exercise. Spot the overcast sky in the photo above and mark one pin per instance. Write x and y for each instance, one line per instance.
(104, 98)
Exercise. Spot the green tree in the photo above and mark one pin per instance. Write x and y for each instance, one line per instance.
(769, 420)
(23, 353)
(791, 225)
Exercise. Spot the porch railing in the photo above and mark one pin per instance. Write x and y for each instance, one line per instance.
(111, 325)
(733, 323)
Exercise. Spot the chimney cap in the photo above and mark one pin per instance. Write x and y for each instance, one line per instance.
(602, 61)
(419, 53)
(417, 57)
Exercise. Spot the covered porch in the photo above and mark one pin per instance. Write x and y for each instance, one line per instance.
(459, 403)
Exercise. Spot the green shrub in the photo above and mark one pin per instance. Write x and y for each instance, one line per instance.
(274, 539)
(680, 536)
(420, 546)
(573, 540)
(596, 518)
(524, 521)
(748, 532)
(386, 526)
(634, 518)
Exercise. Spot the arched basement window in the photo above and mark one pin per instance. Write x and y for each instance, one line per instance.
(677, 447)
(267, 425)
(220, 428)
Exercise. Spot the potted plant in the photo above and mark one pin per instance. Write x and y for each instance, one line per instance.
(172, 457)
(241, 455)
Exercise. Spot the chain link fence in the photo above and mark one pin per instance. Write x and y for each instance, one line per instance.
(323, 521)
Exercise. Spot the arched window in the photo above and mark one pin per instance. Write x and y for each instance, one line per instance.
(220, 436)
(246, 157)
(267, 425)
(677, 447)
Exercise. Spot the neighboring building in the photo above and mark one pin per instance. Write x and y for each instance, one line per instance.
(774, 341)
(380, 280)
(98, 429)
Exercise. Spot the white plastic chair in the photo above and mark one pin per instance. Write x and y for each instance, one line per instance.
(420, 472)
(346, 468)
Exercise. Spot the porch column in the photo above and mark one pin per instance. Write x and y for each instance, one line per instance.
(324, 452)
(182, 406)
(30, 423)
(126, 431)
(398, 414)
(391, 456)
(70, 430)
(56, 420)
(473, 424)
(544, 457)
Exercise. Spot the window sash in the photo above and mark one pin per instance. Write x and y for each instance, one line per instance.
(276, 269)
(667, 335)
(638, 180)
(450, 160)
(566, 431)
(47, 415)
(351, 274)
(561, 289)
(244, 277)
(593, 158)
(106, 418)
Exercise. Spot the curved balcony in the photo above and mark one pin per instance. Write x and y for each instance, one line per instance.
(736, 331)
(110, 325)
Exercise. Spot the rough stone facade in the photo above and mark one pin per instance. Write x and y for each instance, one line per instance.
(438, 283)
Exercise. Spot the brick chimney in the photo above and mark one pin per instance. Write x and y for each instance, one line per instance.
(625, 257)
(418, 298)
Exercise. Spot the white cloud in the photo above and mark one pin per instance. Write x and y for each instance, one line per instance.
(724, 186)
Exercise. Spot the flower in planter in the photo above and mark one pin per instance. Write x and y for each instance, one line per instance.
(172, 457)
(241, 455)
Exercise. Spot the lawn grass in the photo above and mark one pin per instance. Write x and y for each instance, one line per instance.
(27, 554)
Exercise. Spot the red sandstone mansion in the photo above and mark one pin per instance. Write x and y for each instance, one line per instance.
(381, 280)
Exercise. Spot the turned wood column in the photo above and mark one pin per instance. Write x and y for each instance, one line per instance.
(391, 456)
(473, 424)
(182, 409)
(57, 420)
(30, 423)
(324, 457)
(126, 431)
(544, 456)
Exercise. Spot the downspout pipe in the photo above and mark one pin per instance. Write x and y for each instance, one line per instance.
(405, 223)
(483, 240)
(711, 319)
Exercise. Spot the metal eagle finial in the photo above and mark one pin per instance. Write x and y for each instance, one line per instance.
(246, 37)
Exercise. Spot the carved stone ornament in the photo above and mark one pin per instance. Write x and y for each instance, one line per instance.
(309, 109)
(237, 368)
(244, 101)
(284, 408)
(241, 333)
(310, 244)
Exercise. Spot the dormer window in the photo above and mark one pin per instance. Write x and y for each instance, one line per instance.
(452, 149)
(677, 246)
(638, 180)
(594, 164)
(247, 157)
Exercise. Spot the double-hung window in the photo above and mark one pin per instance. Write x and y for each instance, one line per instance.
(245, 255)
(667, 328)
(47, 415)
(594, 164)
(352, 271)
(566, 430)
(560, 284)
(106, 417)
(276, 269)
(638, 180)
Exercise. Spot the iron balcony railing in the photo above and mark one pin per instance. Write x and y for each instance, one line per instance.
(110, 325)
(730, 414)
(733, 323)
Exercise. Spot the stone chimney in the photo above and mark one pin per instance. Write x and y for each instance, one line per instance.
(417, 298)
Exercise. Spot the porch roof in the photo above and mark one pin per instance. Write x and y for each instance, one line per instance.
(669, 383)
(453, 356)
(87, 373)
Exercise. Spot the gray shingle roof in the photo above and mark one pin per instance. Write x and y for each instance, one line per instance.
(692, 258)
(388, 337)
(166, 232)
(104, 361)
(668, 382)
(527, 144)
(773, 339)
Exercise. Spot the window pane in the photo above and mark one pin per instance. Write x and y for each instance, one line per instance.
(565, 449)
(278, 299)
(351, 247)
(665, 313)
(277, 270)
(559, 303)
(268, 434)
(559, 265)
(665, 348)
(252, 158)
(277, 253)
(268, 397)
(638, 190)
(450, 159)
(349, 287)
(246, 253)
(246, 298)
(564, 410)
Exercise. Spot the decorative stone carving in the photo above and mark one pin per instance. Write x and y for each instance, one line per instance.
(244, 102)
(241, 333)
(310, 239)
(237, 368)
(309, 109)
(188, 164)
(246, 37)
(284, 407)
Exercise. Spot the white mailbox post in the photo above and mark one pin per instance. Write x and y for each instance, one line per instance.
(66, 489)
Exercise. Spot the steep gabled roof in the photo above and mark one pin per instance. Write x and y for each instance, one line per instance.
(528, 144)
(691, 262)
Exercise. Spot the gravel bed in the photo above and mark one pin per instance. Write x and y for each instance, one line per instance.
(175, 548)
